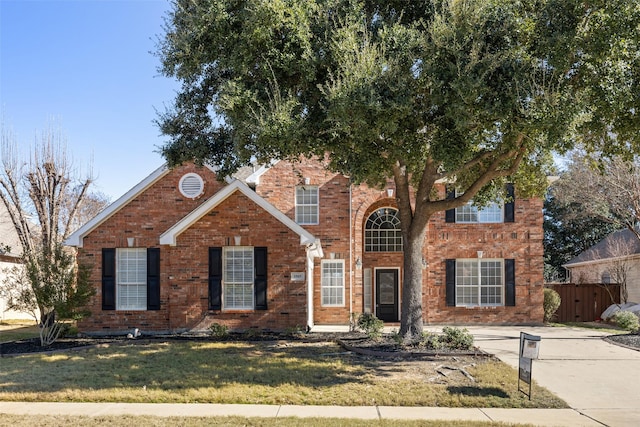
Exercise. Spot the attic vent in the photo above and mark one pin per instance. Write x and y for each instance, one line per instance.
(191, 185)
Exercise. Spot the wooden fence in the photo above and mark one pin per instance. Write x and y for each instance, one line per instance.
(584, 302)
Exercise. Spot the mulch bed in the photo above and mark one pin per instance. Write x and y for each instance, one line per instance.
(356, 342)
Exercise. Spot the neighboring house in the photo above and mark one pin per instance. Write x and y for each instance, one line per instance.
(607, 261)
(9, 259)
(296, 245)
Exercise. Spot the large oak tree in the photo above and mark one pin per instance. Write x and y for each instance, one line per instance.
(475, 93)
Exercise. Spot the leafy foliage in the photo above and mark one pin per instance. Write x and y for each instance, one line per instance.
(473, 93)
(371, 325)
(218, 330)
(627, 320)
(457, 338)
(551, 303)
(567, 232)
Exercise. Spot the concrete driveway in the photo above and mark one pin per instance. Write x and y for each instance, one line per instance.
(596, 378)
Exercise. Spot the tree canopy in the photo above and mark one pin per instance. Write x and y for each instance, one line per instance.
(476, 93)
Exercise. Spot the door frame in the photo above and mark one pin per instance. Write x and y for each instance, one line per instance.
(375, 291)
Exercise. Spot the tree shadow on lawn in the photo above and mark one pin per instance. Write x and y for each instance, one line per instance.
(173, 366)
(478, 391)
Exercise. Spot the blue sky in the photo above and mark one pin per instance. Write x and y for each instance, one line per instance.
(86, 67)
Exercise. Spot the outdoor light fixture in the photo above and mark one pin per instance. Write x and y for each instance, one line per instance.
(358, 263)
(424, 263)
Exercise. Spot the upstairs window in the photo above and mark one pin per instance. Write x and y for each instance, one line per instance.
(382, 231)
(307, 205)
(472, 214)
(496, 212)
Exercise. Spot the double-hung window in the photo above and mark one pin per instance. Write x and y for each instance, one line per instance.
(472, 214)
(238, 278)
(496, 212)
(307, 205)
(332, 283)
(131, 279)
(479, 282)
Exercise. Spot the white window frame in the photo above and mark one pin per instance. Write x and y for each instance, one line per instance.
(307, 211)
(238, 278)
(473, 276)
(131, 279)
(493, 213)
(332, 283)
(383, 239)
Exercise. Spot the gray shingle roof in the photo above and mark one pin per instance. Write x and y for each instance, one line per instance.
(616, 244)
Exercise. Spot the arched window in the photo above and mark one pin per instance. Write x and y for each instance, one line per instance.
(382, 231)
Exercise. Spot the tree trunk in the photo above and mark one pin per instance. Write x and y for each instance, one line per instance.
(411, 319)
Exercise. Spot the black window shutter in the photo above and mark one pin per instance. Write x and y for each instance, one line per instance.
(108, 279)
(153, 279)
(260, 281)
(215, 278)
(450, 281)
(509, 207)
(510, 282)
(450, 214)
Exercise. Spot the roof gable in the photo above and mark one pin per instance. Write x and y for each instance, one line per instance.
(76, 238)
(170, 236)
(618, 244)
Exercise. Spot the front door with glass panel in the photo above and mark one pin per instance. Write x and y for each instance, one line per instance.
(387, 295)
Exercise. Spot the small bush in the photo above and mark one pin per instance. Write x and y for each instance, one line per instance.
(370, 325)
(456, 338)
(551, 303)
(627, 320)
(294, 331)
(218, 330)
(431, 341)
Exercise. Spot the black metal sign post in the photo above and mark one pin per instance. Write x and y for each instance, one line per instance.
(529, 350)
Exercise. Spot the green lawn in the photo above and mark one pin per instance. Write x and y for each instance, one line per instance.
(126, 421)
(256, 372)
(18, 330)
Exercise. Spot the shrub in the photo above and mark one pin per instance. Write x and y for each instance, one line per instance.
(431, 341)
(456, 338)
(218, 330)
(370, 325)
(551, 303)
(627, 320)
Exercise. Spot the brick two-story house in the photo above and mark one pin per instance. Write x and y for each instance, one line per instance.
(293, 244)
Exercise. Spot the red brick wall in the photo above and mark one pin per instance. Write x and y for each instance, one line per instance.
(184, 268)
(277, 186)
(521, 240)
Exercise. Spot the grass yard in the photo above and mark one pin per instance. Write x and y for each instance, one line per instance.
(259, 372)
(18, 330)
(126, 421)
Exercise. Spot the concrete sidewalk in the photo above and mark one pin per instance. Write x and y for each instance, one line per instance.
(541, 417)
(599, 381)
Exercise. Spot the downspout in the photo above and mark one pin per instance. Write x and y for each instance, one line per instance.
(310, 261)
